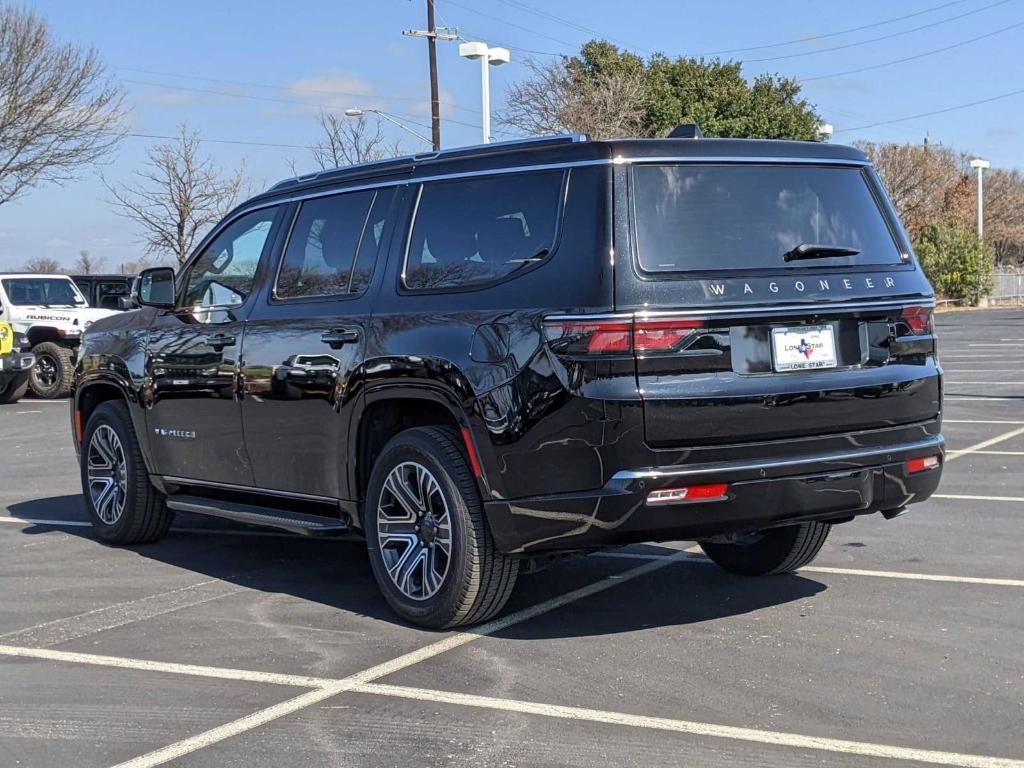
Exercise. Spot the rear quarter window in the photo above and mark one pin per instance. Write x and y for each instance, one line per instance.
(702, 218)
(472, 232)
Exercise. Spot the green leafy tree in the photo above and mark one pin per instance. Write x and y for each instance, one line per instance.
(608, 93)
(958, 264)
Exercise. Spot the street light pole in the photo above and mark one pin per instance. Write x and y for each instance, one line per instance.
(981, 165)
(488, 57)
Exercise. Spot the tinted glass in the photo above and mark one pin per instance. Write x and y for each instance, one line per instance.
(223, 275)
(322, 246)
(700, 218)
(26, 291)
(475, 231)
(369, 246)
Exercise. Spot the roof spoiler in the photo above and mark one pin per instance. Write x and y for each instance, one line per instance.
(686, 131)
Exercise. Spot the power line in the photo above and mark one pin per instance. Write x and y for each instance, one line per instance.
(518, 4)
(934, 112)
(218, 141)
(408, 118)
(836, 33)
(286, 88)
(890, 36)
(912, 58)
(510, 24)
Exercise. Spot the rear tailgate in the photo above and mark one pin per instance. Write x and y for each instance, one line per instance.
(736, 342)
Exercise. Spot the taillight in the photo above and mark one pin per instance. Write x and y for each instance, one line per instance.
(688, 494)
(918, 319)
(590, 337)
(579, 336)
(922, 465)
(662, 335)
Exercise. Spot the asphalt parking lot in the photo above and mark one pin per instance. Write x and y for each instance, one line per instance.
(225, 646)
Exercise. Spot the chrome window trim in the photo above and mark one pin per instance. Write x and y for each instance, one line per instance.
(739, 160)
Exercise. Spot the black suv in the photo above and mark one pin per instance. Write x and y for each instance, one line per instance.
(481, 357)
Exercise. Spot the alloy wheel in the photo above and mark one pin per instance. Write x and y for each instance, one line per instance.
(414, 530)
(46, 371)
(107, 474)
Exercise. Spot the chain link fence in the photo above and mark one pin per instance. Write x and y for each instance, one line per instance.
(1008, 287)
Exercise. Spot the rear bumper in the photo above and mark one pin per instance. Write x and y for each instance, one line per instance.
(761, 494)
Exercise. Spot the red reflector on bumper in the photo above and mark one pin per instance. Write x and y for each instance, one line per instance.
(922, 465)
(688, 494)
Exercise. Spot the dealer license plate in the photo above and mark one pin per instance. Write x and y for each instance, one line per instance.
(802, 348)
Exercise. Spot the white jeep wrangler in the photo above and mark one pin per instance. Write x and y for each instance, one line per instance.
(52, 313)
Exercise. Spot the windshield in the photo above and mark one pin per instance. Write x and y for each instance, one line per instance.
(696, 218)
(43, 291)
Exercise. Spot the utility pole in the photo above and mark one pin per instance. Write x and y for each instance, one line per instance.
(433, 34)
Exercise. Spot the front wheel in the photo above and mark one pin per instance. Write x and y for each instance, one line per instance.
(123, 505)
(774, 550)
(432, 553)
(51, 376)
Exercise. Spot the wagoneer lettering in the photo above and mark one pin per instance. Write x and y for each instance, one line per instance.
(435, 354)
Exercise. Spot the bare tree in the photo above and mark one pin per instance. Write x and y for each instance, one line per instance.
(553, 100)
(347, 141)
(178, 195)
(921, 180)
(87, 264)
(59, 112)
(42, 265)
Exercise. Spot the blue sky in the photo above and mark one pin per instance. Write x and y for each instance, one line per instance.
(219, 60)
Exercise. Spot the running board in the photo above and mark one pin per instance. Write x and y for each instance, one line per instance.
(295, 522)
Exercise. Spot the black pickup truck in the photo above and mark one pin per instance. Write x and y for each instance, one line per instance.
(483, 356)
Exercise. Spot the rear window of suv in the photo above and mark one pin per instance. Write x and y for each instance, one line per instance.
(701, 218)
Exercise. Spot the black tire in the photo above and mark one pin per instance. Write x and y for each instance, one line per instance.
(14, 389)
(51, 376)
(144, 517)
(774, 550)
(478, 578)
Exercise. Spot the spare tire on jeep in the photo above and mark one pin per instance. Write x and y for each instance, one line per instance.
(52, 374)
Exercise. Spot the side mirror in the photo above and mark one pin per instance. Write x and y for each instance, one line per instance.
(154, 288)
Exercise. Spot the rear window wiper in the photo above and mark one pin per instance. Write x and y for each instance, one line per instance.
(818, 251)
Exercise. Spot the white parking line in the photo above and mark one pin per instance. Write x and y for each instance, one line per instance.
(976, 498)
(965, 399)
(777, 738)
(910, 576)
(977, 421)
(455, 640)
(212, 531)
(999, 453)
(952, 455)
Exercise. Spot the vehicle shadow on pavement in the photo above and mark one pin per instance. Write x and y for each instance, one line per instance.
(336, 574)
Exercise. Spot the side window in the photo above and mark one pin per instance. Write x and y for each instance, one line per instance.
(224, 273)
(109, 293)
(369, 246)
(474, 231)
(322, 246)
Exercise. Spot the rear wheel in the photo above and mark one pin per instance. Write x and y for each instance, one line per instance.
(51, 376)
(774, 550)
(432, 553)
(14, 389)
(123, 505)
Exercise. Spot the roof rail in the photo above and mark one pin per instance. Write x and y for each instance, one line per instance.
(495, 146)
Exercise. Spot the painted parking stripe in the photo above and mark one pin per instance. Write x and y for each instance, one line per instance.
(977, 421)
(144, 665)
(700, 559)
(212, 531)
(963, 497)
(757, 736)
(952, 455)
(999, 453)
(455, 640)
(981, 399)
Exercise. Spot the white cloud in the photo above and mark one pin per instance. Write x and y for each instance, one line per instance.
(57, 242)
(334, 90)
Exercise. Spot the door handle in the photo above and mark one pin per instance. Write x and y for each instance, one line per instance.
(220, 340)
(338, 337)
